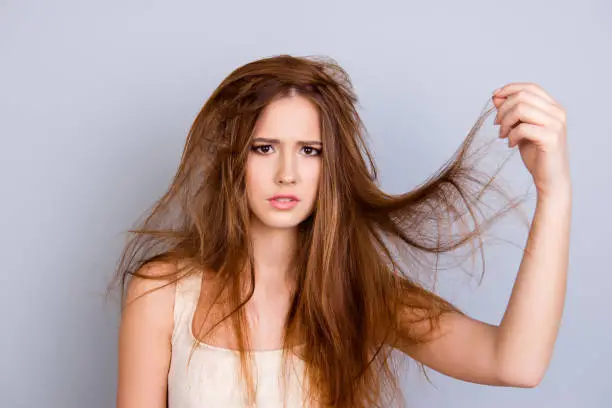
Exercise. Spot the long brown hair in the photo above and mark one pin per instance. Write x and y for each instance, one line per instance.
(356, 299)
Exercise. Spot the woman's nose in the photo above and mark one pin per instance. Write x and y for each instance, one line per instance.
(286, 180)
(286, 171)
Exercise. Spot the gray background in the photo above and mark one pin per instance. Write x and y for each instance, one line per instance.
(96, 99)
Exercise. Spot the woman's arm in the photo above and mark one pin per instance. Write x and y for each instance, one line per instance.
(518, 351)
(144, 341)
(529, 328)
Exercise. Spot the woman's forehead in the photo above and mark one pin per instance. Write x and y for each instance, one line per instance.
(291, 119)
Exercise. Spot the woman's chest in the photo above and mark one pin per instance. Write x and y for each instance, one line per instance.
(210, 377)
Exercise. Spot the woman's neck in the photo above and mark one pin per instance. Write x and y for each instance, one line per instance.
(273, 250)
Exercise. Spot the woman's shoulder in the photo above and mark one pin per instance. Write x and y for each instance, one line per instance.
(150, 294)
(145, 331)
(159, 288)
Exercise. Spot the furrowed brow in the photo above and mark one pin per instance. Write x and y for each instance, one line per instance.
(276, 141)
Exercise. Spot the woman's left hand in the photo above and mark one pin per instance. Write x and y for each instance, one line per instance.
(534, 121)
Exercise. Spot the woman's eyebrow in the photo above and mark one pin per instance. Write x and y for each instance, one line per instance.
(276, 141)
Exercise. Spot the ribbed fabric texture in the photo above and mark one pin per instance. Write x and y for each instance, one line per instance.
(211, 380)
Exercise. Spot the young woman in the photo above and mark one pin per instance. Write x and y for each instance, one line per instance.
(267, 275)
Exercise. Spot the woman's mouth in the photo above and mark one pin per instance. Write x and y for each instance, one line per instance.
(283, 203)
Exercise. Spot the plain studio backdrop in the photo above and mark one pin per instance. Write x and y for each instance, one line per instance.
(96, 99)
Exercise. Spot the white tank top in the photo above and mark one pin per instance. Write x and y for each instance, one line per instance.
(212, 378)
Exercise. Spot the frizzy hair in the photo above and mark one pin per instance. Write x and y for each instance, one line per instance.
(354, 300)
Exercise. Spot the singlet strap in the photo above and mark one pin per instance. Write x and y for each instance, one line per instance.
(185, 301)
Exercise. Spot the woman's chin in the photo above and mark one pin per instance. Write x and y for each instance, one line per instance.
(279, 221)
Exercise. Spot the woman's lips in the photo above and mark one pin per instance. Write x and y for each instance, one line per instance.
(283, 204)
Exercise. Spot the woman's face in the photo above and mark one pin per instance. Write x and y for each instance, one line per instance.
(284, 159)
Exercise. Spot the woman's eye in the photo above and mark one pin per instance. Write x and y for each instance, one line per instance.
(310, 149)
(262, 148)
(265, 149)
